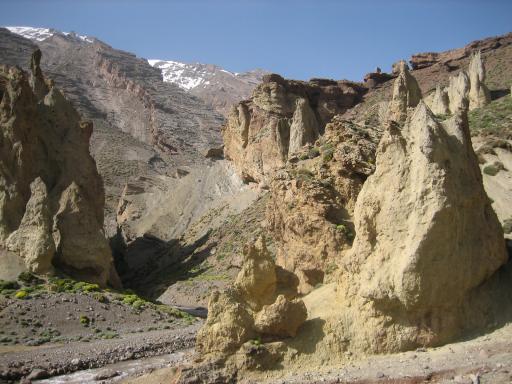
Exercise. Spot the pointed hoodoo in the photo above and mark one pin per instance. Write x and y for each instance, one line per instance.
(478, 94)
(458, 90)
(467, 87)
(406, 94)
(427, 235)
(304, 128)
(37, 82)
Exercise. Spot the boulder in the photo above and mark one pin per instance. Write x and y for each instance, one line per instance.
(214, 153)
(229, 324)
(250, 309)
(282, 318)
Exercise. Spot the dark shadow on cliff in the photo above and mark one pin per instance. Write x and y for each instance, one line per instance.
(149, 265)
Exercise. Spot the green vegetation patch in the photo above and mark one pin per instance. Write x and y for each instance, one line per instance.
(21, 295)
(493, 169)
(493, 119)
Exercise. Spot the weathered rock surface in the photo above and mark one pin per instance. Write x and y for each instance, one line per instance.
(426, 236)
(478, 93)
(52, 198)
(281, 116)
(439, 102)
(33, 239)
(373, 79)
(467, 85)
(457, 91)
(406, 94)
(309, 213)
(282, 318)
(251, 309)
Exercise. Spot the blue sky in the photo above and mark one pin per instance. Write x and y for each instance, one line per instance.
(299, 39)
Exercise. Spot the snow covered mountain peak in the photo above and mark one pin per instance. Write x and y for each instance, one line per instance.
(188, 76)
(41, 34)
(217, 86)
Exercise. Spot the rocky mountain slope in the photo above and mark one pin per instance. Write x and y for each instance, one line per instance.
(143, 126)
(216, 86)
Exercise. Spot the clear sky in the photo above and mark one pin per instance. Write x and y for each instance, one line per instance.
(296, 38)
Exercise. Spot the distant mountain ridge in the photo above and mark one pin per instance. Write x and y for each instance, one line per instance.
(143, 126)
(218, 87)
(215, 85)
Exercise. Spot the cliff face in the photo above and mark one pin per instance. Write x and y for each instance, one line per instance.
(52, 197)
(262, 133)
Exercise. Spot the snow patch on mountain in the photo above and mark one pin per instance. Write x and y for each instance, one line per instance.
(41, 34)
(187, 76)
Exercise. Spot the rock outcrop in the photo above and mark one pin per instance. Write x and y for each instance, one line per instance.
(312, 201)
(406, 94)
(466, 85)
(478, 93)
(427, 237)
(439, 101)
(450, 58)
(457, 91)
(282, 116)
(52, 198)
(251, 309)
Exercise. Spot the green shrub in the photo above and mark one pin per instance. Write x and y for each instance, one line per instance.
(345, 230)
(313, 152)
(61, 285)
(8, 285)
(130, 299)
(138, 304)
(84, 320)
(491, 170)
(29, 278)
(327, 151)
(100, 297)
(21, 295)
(87, 287)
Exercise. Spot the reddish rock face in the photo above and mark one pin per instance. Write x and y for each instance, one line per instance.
(427, 59)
